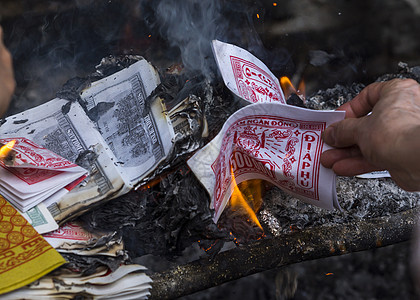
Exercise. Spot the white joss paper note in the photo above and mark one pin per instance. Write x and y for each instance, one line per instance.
(245, 75)
(274, 142)
(137, 136)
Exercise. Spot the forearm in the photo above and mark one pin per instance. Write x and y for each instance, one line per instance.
(404, 166)
(7, 82)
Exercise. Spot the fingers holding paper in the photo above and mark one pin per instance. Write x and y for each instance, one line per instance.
(385, 139)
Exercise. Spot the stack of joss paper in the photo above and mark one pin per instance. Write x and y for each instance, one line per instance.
(36, 175)
(127, 282)
(98, 272)
(25, 256)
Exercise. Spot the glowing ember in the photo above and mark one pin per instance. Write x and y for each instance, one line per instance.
(289, 89)
(238, 201)
(150, 184)
(4, 150)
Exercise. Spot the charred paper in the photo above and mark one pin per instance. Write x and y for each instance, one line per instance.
(126, 139)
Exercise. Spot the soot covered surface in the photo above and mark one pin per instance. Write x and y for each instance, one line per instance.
(382, 273)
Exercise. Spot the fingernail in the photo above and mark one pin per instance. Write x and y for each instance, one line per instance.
(329, 136)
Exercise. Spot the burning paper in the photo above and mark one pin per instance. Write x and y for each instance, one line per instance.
(273, 142)
(112, 132)
(7, 154)
(245, 75)
(36, 175)
(24, 255)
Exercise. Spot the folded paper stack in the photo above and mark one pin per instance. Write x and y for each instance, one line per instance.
(37, 175)
(127, 282)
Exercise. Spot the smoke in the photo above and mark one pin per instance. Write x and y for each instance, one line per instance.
(51, 46)
(191, 25)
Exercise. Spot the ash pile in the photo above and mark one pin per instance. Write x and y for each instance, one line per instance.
(167, 221)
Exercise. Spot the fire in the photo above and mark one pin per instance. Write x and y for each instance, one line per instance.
(288, 88)
(301, 91)
(4, 150)
(238, 200)
(150, 184)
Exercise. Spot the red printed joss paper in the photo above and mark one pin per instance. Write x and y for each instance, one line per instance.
(274, 142)
(245, 75)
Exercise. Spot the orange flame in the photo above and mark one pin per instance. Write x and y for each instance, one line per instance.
(301, 91)
(4, 150)
(288, 88)
(237, 200)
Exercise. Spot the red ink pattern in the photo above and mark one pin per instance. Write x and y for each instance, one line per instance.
(248, 147)
(254, 84)
(31, 153)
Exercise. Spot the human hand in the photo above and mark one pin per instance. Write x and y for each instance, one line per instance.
(7, 81)
(387, 139)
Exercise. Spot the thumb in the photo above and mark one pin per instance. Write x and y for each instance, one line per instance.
(344, 133)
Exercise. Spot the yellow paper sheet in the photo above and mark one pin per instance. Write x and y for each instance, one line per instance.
(24, 254)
